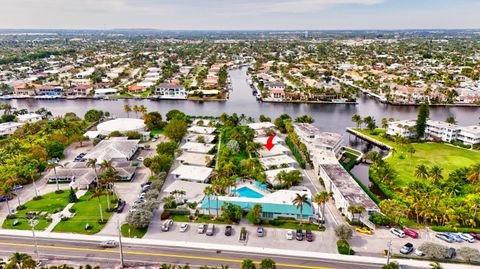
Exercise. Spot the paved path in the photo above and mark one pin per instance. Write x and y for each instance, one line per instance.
(57, 217)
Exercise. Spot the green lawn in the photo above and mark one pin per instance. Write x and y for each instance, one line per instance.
(156, 132)
(446, 156)
(133, 233)
(50, 203)
(87, 212)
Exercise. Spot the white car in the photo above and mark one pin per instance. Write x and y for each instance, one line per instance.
(397, 232)
(141, 159)
(466, 237)
(183, 227)
(418, 252)
(109, 244)
(290, 235)
(202, 228)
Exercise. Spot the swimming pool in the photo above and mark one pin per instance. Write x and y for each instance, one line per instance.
(247, 192)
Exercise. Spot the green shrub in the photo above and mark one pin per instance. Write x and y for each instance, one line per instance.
(36, 198)
(379, 219)
(72, 210)
(178, 211)
(444, 229)
(343, 247)
(165, 215)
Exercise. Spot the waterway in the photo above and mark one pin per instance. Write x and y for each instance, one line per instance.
(328, 117)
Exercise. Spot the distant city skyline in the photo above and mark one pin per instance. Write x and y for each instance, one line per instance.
(240, 14)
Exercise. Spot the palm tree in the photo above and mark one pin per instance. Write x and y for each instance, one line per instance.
(299, 201)
(53, 165)
(22, 260)
(357, 119)
(136, 109)
(473, 174)
(421, 172)
(436, 265)
(374, 157)
(436, 174)
(321, 199)
(257, 210)
(127, 109)
(208, 191)
(142, 109)
(411, 150)
(356, 210)
(31, 173)
(97, 193)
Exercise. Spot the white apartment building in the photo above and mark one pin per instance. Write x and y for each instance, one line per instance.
(318, 140)
(437, 131)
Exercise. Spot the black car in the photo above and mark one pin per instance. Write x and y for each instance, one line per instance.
(299, 235)
(120, 206)
(309, 236)
(228, 230)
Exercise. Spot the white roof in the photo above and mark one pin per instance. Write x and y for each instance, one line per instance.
(275, 151)
(201, 130)
(28, 117)
(193, 173)
(92, 134)
(277, 160)
(263, 140)
(195, 158)
(197, 147)
(193, 190)
(121, 125)
(206, 122)
(261, 125)
(108, 90)
(113, 149)
(206, 138)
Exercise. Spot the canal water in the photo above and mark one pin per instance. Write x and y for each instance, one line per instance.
(328, 117)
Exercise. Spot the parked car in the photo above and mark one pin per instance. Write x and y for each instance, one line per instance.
(418, 252)
(17, 187)
(299, 235)
(444, 237)
(397, 232)
(466, 237)
(140, 159)
(202, 228)
(475, 235)
(183, 227)
(166, 225)
(410, 232)
(4, 198)
(210, 230)
(455, 237)
(407, 248)
(109, 244)
(451, 253)
(260, 231)
(146, 188)
(120, 206)
(364, 230)
(228, 230)
(309, 236)
(290, 235)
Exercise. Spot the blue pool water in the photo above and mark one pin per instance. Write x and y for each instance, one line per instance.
(247, 192)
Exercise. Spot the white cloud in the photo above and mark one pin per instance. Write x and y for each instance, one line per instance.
(301, 6)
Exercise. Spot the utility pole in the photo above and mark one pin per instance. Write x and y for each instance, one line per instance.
(120, 243)
(389, 250)
(33, 223)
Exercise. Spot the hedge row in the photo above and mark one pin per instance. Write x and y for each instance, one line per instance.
(295, 152)
(445, 229)
(366, 189)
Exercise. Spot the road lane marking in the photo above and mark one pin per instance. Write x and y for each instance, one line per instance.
(156, 254)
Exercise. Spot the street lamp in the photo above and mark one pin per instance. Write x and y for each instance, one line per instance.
(389, 251)
(33, 223)
(120, 243)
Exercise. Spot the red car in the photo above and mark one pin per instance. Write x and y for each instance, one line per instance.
(410, 233)
(475, 235)
(309, 236)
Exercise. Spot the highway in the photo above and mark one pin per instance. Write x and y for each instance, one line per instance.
(83, 252)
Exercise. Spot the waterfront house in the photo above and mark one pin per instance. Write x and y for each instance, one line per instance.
(170, 91)
(79, 90)
(105, 92)
(136, 88)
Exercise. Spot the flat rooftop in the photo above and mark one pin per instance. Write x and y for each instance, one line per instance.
(277, 160)
(192, 158)
(197, 147)
(192, 173)
(352, 192)
(201, 129)
(261, 125)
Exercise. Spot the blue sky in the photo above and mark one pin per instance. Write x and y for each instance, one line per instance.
(240, 14)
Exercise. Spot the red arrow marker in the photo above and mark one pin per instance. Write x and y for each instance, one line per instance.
(270, 144)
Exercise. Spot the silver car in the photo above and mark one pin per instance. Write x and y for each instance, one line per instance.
(109, 244)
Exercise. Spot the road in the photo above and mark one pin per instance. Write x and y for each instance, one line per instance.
(83, 252)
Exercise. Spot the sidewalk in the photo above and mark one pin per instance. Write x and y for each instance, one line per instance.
(234, 248)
